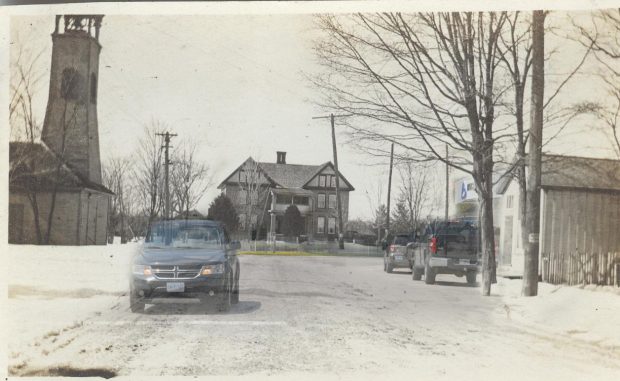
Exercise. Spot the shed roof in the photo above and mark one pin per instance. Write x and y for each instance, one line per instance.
(33, 167)
(580, 172)
(560, 171)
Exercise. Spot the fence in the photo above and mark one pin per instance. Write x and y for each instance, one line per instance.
(581, 268)
(314, 247)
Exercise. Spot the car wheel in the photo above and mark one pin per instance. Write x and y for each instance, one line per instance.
(226, 299)
(235, 295)
(136, 302)
(429, 274)
(417, 273)
(471, 277)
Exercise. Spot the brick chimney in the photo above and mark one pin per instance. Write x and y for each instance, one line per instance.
(281, 157)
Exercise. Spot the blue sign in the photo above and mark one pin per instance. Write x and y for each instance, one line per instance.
(463, 191)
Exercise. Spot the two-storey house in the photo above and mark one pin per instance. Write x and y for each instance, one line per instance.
(261, 192)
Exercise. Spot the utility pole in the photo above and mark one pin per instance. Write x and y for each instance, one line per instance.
(167, 136)
(530, 270)
(447, 185)
(338, 206)
(389, 195)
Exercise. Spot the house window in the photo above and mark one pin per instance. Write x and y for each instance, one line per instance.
(283, 199)
(509, 201)
(242, 176)
(240, 197)
(331, 225)
(320, 225)
(322, 180)
(332, 201)
(301, 200)
(321, 201)
(332, 181)
(69, 87)
(242, 222)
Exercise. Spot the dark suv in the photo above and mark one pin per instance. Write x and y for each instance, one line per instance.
(396, 254)
(190, 258)
(451, 248)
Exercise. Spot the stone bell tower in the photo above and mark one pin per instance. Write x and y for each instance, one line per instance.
(70, 127)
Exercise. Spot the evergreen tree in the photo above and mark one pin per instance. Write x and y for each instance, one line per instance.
(293, 222)
(222, 210)
(401, 218)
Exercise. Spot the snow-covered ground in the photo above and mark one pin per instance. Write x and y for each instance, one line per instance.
(315, 315)
(590, 314)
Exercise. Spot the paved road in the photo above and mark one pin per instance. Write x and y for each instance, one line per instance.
(323, 315)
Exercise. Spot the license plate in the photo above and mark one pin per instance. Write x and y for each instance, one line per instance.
(464, 262)
(398, 257)
(175, 287)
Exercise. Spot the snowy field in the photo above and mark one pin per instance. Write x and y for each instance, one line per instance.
(309, 316)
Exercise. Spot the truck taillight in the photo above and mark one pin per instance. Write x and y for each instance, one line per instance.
(433, 245)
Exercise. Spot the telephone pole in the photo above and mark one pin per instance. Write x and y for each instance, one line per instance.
(338, 206)
(389, 195)
(530, 262)
(167, 136)
(447, 185)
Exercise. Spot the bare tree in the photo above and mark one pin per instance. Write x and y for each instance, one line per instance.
(68, 121)
(602, 35)
(254, 191)
(25, 126)
(415, 184)
(189, 178)
(149, 172)
(116, 178)
(425, 80)
(378, 208)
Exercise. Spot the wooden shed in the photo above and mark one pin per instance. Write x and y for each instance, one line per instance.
(580, 222)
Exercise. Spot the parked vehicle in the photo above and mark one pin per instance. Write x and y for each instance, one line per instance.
(188, 258)
(451, 247)
(396, 254)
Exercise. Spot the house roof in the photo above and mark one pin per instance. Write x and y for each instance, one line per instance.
(559, 171)
(33, 166)
(288, 175)
(580, 172)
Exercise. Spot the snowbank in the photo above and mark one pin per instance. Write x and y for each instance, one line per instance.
(590, 314)
(103, 268)
(54, 288)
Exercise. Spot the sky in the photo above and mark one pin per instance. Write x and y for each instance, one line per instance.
(236, 85)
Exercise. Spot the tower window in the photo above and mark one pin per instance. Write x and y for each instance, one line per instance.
(69, 88)
(93, 88)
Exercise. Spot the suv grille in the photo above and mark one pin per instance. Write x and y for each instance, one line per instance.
(176, 272)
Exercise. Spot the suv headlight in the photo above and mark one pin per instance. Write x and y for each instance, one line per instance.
(142, 270)
(212, 269)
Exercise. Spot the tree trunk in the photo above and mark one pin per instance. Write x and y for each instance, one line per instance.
(485, 199)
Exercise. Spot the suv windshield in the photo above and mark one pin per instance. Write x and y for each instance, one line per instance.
(401, 240)
(184, 234)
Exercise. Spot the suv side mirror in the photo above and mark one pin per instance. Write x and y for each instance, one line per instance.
(235, 245)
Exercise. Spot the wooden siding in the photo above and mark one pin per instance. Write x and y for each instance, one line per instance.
(580, 236)
(580, 221)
